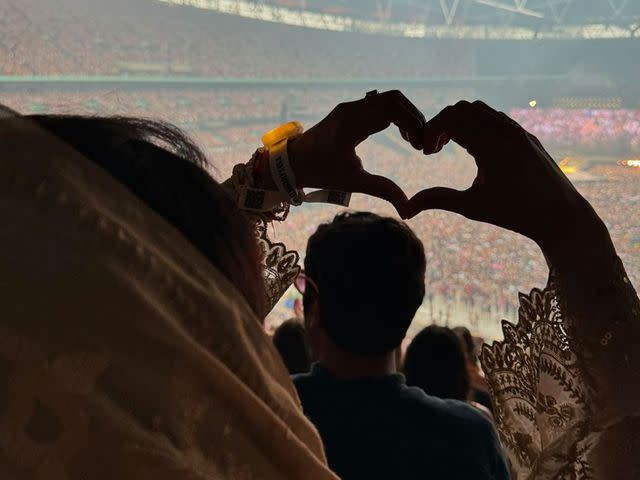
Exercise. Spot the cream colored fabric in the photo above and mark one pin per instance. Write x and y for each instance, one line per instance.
(124, 354)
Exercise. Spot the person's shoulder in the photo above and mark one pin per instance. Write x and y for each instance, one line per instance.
(302, 378)
(455, 414)
(304, 381)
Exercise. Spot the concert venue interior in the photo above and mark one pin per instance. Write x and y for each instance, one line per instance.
(226, 71)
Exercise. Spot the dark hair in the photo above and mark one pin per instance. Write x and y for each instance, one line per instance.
(370, 275)
(436, 363)
(161, 166)
(465, 337)
(290, 341)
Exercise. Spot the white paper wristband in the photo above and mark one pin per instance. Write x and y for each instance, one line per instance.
(282, 173)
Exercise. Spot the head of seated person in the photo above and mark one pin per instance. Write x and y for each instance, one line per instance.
(160, 165)
(290, 341)
(468, 343)
(478, 390)
(435, 362)
(366, 282)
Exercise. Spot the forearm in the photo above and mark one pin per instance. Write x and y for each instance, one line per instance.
(601, 314)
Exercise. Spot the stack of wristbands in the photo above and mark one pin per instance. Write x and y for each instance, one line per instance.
(257, 199)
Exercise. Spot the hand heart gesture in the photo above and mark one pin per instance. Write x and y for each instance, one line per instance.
(325, 156)
(518, 185)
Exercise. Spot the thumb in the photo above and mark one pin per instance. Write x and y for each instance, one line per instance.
(441, 198)
(381, 187)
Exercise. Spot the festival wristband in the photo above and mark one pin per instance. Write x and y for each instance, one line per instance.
(273, 160)
(335, 197)
(259, 200)
(285, 179)
(282, 173)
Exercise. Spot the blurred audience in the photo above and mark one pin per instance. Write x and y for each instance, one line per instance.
(473, 272)
(603, 129)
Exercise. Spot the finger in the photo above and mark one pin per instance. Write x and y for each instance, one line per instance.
(441, 141)
(470, 125)
(374, 113)
(500, 117)
(400, 97)
(380, 187)
(415, 137)
(441, 198)
(508, 120)
(409, 110)
(415, 143)
(480, 105)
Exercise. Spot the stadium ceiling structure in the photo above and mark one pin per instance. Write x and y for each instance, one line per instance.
(490, 12)
(525, 12)
(471, 19)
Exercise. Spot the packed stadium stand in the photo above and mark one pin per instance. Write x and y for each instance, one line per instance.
(82, 37)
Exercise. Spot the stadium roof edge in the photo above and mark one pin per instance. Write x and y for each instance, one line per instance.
(342, 23)
(75, 80)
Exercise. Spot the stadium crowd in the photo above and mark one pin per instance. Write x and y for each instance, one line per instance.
(91, 37)
(472, 270)
(209, 104)
(603, 130)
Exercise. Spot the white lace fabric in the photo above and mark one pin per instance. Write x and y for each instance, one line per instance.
(280, 266)
(124, 354)
(565, 381)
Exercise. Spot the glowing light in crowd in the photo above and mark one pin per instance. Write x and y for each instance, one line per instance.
(631, 163)
(533, 103)
(569, 165)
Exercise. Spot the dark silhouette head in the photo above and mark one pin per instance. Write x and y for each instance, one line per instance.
(436, 363)
(468, 344)
(289, 339)
(162, 167)
(369, 271)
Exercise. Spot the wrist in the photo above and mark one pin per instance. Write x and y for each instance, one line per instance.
(299, 159)
(579, 244)
(262, 172)
(294, 160)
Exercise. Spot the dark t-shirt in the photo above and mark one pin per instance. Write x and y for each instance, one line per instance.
(379, 428)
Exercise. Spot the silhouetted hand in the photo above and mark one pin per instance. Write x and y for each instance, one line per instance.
(325, 156)
(518, 185)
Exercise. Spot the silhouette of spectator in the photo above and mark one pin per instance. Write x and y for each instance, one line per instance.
(289, 340)
(436, 363)
(477, 384)
(364, 282)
